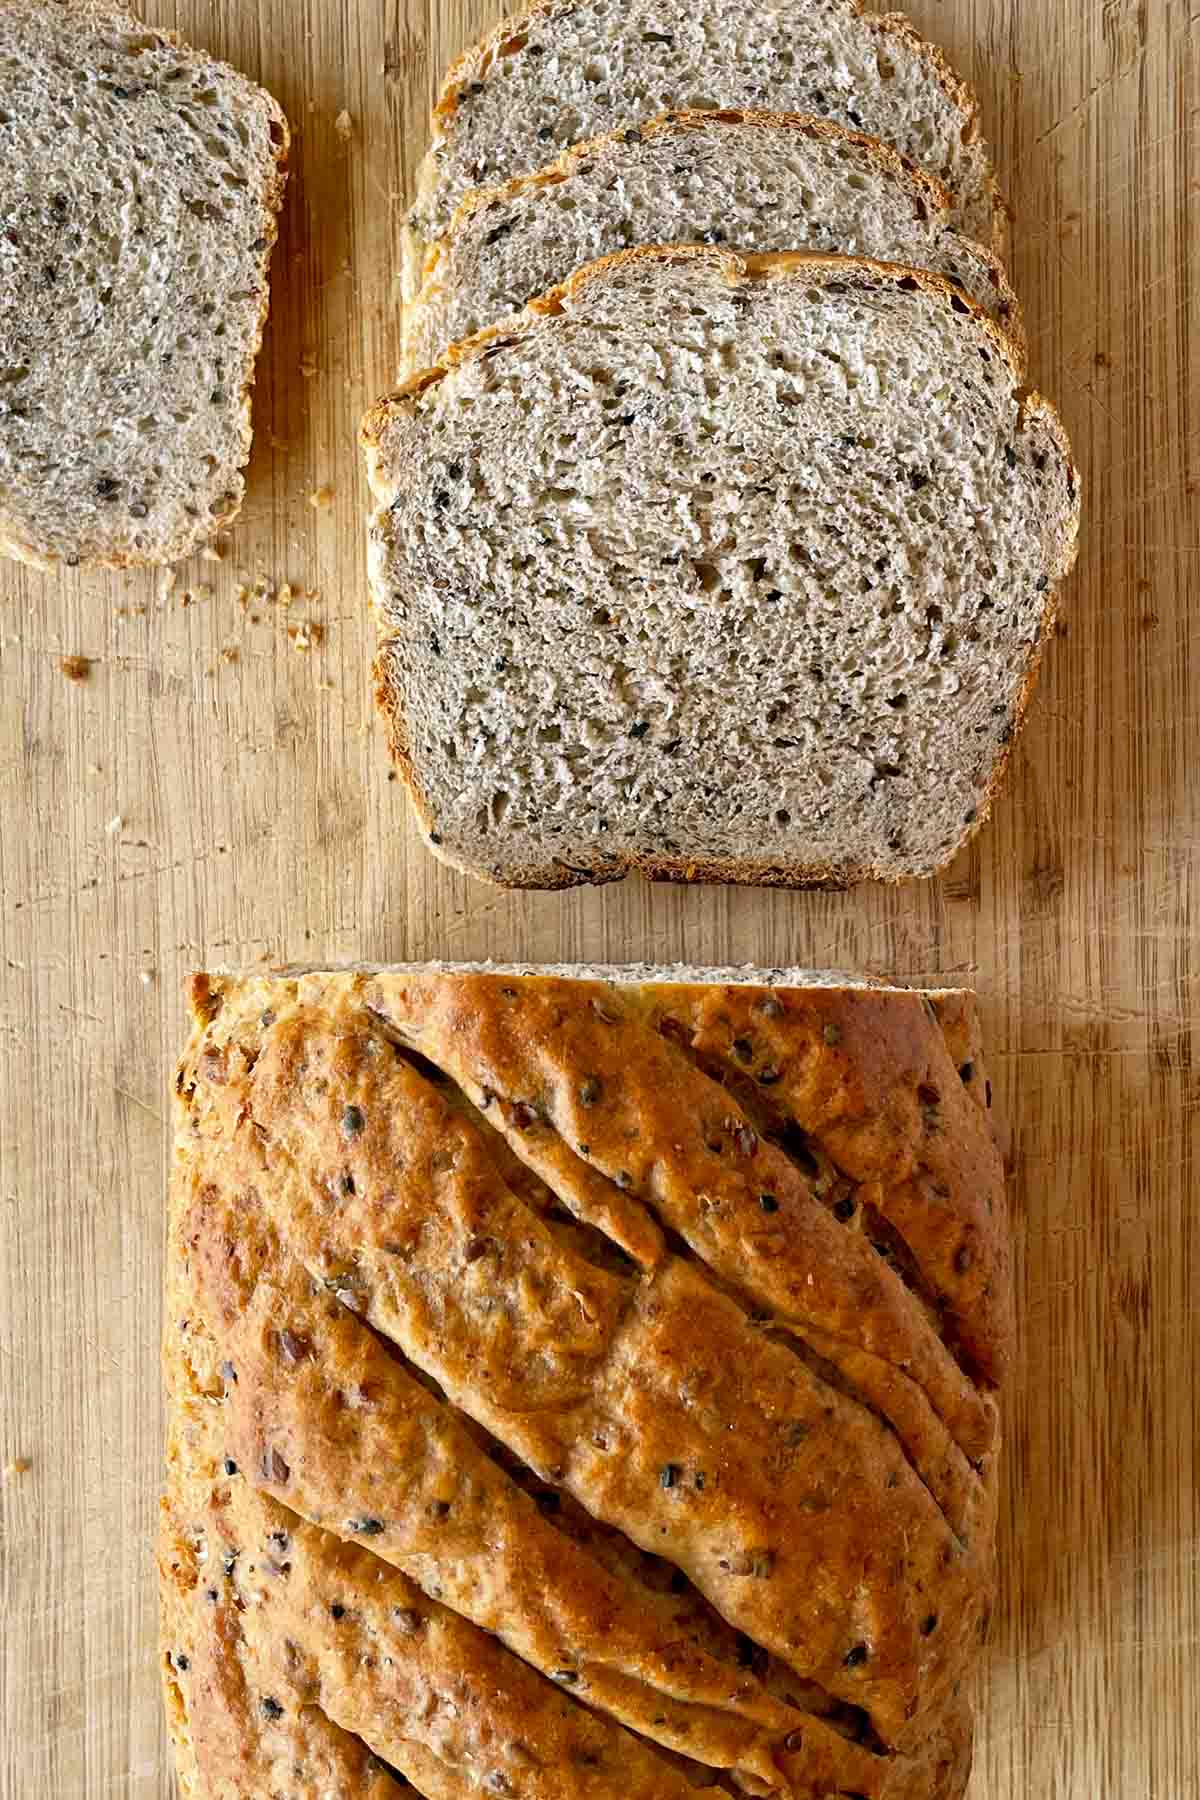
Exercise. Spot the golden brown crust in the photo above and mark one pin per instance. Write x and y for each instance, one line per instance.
(767, 265)
(452, 1516)
(958, 1019)
(346, 1226)
(233, 1735)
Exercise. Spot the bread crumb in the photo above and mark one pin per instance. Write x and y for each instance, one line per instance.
(76, 668)
(308, 366)
(114, 825)
(230, 653)
(241, 594)
(16, 1465)
(343, 124)
(94, 769)
(285, 594)
(306, 636)
(146, 977)
(321, 497)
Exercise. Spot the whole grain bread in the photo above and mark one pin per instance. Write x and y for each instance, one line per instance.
(717, 568)
(753, 180)
(488, 1447)
(139, 186)
(567, 70)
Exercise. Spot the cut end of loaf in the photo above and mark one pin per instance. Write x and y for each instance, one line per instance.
(736, 614)
(142, 190)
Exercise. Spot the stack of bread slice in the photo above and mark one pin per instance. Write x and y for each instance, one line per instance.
(715, 536)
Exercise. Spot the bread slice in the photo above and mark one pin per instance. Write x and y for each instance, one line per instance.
(718, 568)
(581, 1384)
(139, 184)
(753, 180)
(566, 70)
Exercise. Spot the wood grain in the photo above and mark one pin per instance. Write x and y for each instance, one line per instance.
(212, 794)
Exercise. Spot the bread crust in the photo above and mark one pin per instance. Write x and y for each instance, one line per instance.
(47, 560)
(473, 63)
(585, 870)
(264, 1341)
(923, 187)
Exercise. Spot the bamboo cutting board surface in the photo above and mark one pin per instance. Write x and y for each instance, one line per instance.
(216, 792)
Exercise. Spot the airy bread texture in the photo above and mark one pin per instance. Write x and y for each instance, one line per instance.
(580, 1386)
(715, 567)
(753, 180)
(139, 186)
(572, 69)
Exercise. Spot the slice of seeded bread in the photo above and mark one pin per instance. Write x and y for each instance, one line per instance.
(567, 70)
(757, 181)
(719, 568)
(139, 186)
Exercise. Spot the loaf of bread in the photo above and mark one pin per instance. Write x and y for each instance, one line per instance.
(581, 1385)
(752, 180)
(717, 568)
(567, 70)
(139, 185)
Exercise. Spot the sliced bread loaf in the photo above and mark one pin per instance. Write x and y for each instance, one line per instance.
(566, 70)
(139, 185)
(756, 181)
(716, 567)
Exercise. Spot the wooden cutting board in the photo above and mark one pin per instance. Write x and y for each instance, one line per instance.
(216, 792)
